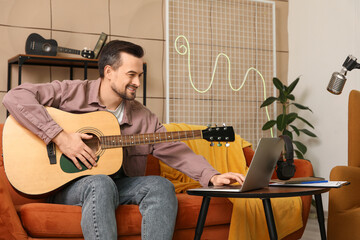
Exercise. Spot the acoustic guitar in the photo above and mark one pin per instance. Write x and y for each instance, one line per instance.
(37, 45)
(34, 168)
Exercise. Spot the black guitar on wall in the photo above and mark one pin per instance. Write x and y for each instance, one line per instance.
(37, 45)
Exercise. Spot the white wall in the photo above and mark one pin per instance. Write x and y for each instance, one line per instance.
(322, 33)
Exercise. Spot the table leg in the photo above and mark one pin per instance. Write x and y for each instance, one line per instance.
(270, 219)
(71, 73)
(19, 74)
(85, 70)
(320, 215)
(202, 217)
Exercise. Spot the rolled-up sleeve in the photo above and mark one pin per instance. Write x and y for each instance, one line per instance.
(26, 104)
(179, 156)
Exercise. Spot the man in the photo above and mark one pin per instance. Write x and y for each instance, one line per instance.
(120, 68)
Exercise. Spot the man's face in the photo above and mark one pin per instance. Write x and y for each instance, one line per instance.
(126, 79)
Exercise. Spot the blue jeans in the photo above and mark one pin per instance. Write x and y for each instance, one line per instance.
(100, 195)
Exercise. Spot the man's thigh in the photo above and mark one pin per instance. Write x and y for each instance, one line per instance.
(133, 189)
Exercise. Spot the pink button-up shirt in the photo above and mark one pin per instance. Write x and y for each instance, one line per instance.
(26, 104)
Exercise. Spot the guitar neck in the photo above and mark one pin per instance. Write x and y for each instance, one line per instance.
(116, 141)
(69, 50)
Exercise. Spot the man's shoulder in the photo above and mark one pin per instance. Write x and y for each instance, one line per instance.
(84, 85)
(137, 106)
(76, 82)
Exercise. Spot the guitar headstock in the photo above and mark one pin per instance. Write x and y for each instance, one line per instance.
(219, 134)
(87, 54)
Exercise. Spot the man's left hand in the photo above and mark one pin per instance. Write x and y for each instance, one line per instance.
(227, 178)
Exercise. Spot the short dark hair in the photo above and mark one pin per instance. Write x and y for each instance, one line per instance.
(111, 54)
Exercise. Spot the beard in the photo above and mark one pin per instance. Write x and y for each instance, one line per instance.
(124, 94)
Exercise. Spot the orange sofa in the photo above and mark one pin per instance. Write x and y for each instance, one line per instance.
(24, 217)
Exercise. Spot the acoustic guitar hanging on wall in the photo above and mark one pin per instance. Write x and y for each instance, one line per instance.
(37, 45)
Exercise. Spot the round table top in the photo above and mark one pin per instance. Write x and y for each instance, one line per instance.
(268, 192)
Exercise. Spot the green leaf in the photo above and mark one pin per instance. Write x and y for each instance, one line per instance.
(305, 121)
(291, 117)
(288, 133)
(299, 155)
(291, 97)
(302, 107)
(269, 125)
(285, 88)
(307, 132)
(278, 84)
(268, 101)
(296, 130)
(292, 85)
(302, 148)
(282, 98)
(281, 122)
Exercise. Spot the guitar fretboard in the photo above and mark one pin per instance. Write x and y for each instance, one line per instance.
(116, 141)
(68, 50)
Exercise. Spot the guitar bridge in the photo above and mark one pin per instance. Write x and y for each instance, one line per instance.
(51, 152)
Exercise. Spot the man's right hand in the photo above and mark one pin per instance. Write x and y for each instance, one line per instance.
(72, 145)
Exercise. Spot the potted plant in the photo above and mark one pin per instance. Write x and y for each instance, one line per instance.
(286, 120)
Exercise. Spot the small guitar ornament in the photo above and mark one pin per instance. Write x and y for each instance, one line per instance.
(37, 45)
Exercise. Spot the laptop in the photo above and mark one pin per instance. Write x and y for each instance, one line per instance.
(261, 168)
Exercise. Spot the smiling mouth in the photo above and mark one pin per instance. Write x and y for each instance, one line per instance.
(132, 88)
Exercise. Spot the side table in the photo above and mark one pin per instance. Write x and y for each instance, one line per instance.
(265, 194)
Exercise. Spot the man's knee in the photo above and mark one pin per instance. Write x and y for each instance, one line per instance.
(164, 189)
(101, 186)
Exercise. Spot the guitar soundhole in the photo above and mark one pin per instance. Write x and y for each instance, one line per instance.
(46, 47)
(93, 143)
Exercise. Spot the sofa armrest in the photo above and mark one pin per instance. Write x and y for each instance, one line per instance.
(303, 169)
(249, 154)
(10, 225)
(345, 198)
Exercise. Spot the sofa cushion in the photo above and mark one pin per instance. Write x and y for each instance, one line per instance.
(56, 220)
(51, 220)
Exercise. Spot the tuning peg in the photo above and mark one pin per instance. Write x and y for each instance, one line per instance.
(211, 144)
(227, 144)
(219, 144)
(224, 125)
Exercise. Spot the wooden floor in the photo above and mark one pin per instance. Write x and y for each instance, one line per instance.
(312, 231)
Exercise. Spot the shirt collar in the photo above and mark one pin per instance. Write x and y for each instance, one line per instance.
(94, 89)
(127, 119)
(94, 98)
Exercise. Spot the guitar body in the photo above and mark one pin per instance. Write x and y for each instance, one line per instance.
(37, 45)
(26, 160)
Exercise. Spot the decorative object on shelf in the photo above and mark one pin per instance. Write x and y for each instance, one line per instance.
(99, 45)
(285, 120)
(37, 45)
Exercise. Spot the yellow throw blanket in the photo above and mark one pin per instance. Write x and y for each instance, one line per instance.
(248, 218)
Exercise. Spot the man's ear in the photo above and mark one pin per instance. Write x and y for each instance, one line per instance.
(108, 71)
